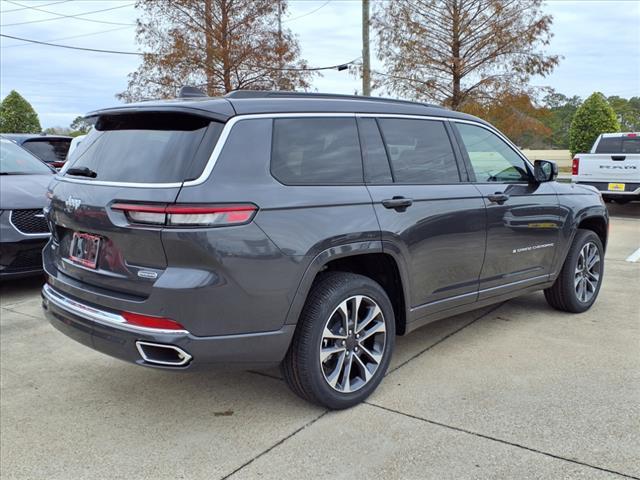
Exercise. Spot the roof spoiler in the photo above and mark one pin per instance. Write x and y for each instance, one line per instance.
(188, 91)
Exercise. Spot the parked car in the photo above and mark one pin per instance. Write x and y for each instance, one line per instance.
(23, 228)
(51, 149)
(612, 166)
(304, 230)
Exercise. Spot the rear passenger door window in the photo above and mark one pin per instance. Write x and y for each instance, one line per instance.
(316, 151)
(419, 151)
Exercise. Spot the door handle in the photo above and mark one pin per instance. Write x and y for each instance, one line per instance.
(399, 204)
(618, 157)
(498, 198)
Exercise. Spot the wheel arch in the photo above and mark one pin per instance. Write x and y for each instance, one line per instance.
(364, 258)
(598, 224)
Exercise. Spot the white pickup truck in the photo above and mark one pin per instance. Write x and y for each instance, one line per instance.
(612, 166)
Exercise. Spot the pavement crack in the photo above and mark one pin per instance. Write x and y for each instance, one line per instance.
(499, 440)
(449, 335)
(264, 374)
(278, 443)
(20, 313)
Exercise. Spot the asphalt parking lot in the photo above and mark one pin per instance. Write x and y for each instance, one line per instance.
(516, 390)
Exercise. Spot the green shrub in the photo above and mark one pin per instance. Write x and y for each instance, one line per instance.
(593, 117)
(17, 115)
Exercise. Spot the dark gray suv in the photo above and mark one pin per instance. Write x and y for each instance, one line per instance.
(304, 230)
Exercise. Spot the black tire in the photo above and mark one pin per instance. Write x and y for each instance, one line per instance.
(302, 367)
(562, 295)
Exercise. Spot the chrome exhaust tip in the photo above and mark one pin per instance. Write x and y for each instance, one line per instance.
(162, 354)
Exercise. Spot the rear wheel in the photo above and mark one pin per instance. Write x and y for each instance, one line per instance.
(578, 284)
(343, 341)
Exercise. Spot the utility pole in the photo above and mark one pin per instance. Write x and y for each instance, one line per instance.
(279, 47)
(366, 61)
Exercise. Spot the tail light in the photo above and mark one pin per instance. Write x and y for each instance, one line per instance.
(188, 215)
(575, 166)
(148, 321)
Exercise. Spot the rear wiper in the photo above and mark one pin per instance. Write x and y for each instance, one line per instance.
(82, 172)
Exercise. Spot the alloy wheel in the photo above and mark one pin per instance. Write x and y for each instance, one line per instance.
(353, 342)
(587, 272)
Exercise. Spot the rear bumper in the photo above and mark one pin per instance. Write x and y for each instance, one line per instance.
(631, 189)
(107, 332)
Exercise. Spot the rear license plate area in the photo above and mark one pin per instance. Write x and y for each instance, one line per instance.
(84, 249)
(616, 187)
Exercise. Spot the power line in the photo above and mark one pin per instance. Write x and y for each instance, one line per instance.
(60, 16)
(43, 5)
(69, 46)
(69, 38)
(308, 13)
(339, 66)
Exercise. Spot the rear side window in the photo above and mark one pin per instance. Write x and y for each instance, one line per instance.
(154, 147)
(419, 151)
(48, 149)
(316, 151)
(618, 145)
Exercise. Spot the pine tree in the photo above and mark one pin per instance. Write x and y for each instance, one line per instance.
(595, 116)
(17, 115)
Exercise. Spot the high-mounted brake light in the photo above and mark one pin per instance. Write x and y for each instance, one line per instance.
(148, 321)
(575, 166)
(632, 135)
(188, 215)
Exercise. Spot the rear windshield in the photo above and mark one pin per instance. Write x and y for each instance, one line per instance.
(49, 149)
(15, 160)
(153, 147)
(618, 145)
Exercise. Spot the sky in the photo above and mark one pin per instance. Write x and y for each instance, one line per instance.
(598, 39)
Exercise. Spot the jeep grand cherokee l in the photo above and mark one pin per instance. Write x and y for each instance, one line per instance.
(304, 230)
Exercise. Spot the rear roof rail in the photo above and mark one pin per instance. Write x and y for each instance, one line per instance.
(335, 96)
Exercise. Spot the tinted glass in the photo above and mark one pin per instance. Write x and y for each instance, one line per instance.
(491, 158)
(618, 145)
(419, 151)
(316, 151)
(16, 160)
(142, 148)
(376, 164)
(49, 150)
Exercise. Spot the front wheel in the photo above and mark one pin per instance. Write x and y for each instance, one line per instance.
(578, 284)
(343, 342)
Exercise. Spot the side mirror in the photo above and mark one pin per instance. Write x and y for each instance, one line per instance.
(545, 171)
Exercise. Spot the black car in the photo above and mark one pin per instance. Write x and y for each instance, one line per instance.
(51, 149)
(23, 228)
(305, 230)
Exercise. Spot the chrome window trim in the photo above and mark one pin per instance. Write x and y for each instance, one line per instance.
(99, 316)
(228, 127)
(41, 235)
